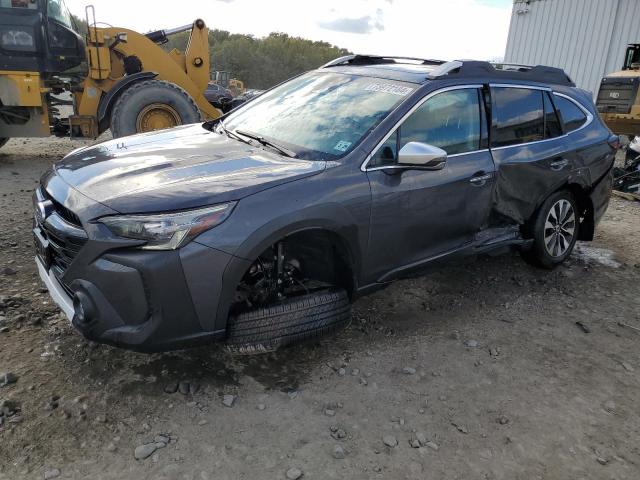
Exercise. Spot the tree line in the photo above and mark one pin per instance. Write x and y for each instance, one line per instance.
(262, 62)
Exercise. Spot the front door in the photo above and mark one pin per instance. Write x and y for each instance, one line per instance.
(417, 215)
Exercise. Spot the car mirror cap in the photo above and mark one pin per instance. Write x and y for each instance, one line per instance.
(423, 155)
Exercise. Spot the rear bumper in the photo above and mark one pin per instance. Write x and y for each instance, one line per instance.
(600, 196)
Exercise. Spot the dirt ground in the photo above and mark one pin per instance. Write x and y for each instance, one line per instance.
(477, 371)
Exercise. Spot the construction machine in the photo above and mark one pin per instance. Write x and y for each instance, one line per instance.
(618, 100)
(112, 78)
(224, 79)
(618, 104)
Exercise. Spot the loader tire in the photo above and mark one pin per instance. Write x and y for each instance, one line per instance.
(291, 321)
(152, 105)
(3, 141)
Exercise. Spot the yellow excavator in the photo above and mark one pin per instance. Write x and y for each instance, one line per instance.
(114, 78)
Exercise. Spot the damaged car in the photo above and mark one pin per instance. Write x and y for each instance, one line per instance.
(260, 228)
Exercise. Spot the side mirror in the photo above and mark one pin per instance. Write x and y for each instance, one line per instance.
(422, 155)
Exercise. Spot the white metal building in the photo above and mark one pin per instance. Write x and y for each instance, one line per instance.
(587, 38)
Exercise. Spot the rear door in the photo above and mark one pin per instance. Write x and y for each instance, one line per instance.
(528, 149)
(420, 214)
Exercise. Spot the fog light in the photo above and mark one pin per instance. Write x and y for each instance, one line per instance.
(83, 309)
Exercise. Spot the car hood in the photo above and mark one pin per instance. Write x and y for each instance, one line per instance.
(175, 169)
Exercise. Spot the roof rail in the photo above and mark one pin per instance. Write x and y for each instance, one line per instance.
(502, 71)
(379, 60)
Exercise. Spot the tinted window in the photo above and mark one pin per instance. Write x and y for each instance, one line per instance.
(518, 116)
(449, 120)
(387, 154)
(572, 116)
(551, 123)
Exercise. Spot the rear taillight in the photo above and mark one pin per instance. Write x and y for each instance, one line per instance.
(615, 142)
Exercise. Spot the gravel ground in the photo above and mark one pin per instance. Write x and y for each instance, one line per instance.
(478, 371)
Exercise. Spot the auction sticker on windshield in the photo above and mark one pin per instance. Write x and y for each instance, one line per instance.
(389, 88)
(342, 146)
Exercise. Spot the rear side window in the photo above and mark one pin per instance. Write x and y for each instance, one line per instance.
(552, 126)
(518, 116)
(572, 116)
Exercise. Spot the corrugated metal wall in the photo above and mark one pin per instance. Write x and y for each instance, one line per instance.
(587, 38)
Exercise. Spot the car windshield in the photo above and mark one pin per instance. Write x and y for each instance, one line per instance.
(320, 115)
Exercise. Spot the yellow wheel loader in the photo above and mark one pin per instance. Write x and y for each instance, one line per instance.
(113, 78)
(618, 104)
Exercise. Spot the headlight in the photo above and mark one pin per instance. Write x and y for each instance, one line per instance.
(168, 231)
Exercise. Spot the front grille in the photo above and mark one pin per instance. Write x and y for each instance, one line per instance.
(617, 94)
(63, 211)
(63, 231)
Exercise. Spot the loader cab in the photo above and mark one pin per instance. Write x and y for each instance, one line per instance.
(38, 36)
(632, 57)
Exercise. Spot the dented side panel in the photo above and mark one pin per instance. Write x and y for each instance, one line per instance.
(527, 174)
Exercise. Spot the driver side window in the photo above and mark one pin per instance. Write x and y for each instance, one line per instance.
(448, 120)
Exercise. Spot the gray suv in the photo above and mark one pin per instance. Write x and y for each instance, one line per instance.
(259, 229)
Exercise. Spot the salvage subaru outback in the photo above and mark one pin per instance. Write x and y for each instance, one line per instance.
(258, 229)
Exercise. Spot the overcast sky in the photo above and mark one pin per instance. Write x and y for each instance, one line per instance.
(442, 29)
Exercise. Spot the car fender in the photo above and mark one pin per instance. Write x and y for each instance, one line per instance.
(331, 217)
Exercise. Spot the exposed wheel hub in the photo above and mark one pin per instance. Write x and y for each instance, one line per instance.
(157, 116)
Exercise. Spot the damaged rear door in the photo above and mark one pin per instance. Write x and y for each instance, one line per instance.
(529, 149)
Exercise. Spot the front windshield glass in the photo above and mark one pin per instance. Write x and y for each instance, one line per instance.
(320, 115)
(58, 11)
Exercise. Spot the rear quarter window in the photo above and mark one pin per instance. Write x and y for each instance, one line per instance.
(571, 115)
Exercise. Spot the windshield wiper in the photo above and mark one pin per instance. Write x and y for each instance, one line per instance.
(268, 143)
(234, 135)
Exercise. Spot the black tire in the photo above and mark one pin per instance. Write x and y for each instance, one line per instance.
(541, 254)
(3, 141)
(293, 321)
(133, 101)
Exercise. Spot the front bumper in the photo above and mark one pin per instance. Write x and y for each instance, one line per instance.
(140, 300)
(57, 292)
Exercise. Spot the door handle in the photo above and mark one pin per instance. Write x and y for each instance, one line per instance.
(480, 180)
(559, 164)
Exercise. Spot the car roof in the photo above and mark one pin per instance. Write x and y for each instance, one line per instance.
(420, 71)
(411, 73)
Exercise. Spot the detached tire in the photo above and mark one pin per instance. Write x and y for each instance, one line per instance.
(293, 321)
(3, 141)
(152, 105)
(555, 231)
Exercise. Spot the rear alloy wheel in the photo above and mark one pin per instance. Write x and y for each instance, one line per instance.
(151, 105)
(555, 230)
(559, 228)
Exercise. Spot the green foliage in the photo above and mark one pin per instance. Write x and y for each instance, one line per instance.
(262, 62)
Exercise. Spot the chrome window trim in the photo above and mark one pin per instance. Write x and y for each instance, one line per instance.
(564, 135)
(514, 85)
(363, 166)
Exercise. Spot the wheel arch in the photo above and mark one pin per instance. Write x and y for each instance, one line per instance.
(342, 240)
(585, 206)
